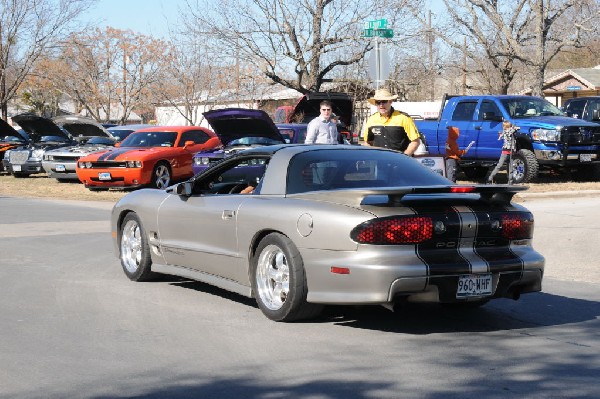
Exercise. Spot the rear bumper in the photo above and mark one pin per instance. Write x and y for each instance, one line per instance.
(376, 278)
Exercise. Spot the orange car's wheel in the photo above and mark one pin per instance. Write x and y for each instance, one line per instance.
(161, 176)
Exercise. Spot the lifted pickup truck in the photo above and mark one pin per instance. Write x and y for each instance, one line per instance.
(547, 139)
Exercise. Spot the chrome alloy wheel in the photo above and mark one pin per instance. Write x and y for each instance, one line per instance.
(518, 170)
(131, 246)
(273, 277)
(162, 177)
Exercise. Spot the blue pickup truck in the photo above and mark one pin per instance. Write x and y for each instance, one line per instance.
(547, 139)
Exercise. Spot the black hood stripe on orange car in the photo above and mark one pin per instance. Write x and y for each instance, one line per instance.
(113, 154)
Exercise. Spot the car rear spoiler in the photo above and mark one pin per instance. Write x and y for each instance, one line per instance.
(499, 194)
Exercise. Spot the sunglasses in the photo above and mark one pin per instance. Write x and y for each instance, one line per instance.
(325, 109)
(380, 102)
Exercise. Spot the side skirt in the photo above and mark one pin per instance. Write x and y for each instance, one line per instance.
(217, 281)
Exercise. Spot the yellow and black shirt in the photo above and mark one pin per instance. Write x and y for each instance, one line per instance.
(394, 132)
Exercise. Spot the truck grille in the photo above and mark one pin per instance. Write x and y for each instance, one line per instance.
(18, 157)
(581, 135)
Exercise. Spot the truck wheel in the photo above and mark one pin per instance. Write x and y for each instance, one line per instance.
(587, 173)
(524, 166)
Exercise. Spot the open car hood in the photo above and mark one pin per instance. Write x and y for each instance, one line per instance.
(308, 107)
(80, 126)
(36, 127)
(235, 123)
(8, 130)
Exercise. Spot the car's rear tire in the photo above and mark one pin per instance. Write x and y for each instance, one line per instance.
(525, 166)
(134, 250)
(161, 176)
(279, 281)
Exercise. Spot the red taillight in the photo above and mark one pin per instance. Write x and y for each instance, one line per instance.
(517, 226)
(462, 189)
(396, 230)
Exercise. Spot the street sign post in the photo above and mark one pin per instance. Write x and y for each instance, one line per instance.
(378, 61)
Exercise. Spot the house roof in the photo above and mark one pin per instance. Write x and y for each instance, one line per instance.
(583, 78)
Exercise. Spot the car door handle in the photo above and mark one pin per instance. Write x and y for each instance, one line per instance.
(477, 127)
(227, 214)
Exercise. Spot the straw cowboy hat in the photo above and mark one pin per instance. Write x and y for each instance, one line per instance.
(382, 95)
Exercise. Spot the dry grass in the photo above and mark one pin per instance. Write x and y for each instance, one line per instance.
(40, 186)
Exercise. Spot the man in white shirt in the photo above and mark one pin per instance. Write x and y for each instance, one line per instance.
(322, 130)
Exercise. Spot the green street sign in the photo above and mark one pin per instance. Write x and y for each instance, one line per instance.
(386, 33)
(376, 24)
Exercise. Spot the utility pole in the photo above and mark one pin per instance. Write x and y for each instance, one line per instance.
(464, 69)
(431, 66)
(124, 84)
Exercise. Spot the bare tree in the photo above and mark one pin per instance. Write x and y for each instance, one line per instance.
(188, 79)
(513, 33)
(104, 68)
(294, 43)
(28, 28)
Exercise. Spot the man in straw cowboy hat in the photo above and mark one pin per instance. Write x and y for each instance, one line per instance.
(390, 128)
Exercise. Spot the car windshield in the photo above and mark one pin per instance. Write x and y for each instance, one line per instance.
(254, 140)
(13, 139)
(288, 134)
(527, 107)
(120, 134)
(334, 169)
(100, 140)
(53, 139)
(150, 139)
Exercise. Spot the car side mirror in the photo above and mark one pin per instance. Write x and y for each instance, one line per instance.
(184, 189)
(491, 116)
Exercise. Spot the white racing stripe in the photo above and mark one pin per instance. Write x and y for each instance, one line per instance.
(467, 241)
(17, 230)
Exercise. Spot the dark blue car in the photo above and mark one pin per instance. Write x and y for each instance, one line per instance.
(240, 129)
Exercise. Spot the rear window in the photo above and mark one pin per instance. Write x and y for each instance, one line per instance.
(335, 169)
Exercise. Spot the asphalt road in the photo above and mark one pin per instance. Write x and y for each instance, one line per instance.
(73, 326)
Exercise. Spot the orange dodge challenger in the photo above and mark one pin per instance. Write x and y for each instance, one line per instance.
(154, 157)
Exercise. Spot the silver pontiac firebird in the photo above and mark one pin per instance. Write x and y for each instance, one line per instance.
(300, 226)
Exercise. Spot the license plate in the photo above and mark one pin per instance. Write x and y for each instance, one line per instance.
(585, 157)
(104, 176)
(474, 285)
(16, 168)
(60, 168)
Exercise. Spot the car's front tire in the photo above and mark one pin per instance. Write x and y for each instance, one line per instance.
(134, 249)
(279, 281)
(161, 176)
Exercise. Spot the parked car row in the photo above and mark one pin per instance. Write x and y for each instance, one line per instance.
(129, 157)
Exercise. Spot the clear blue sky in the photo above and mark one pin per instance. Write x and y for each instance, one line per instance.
(149, 17)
